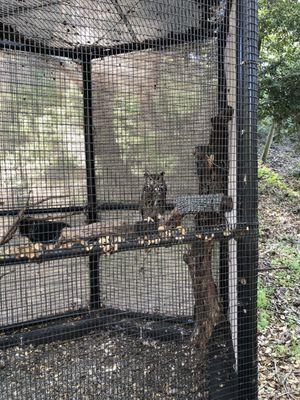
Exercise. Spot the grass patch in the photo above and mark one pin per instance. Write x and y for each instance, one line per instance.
(287, 256)
(280, 349)
(271, 180)
(263, 303)
(295, 348)
(291, 349)
(263, 320)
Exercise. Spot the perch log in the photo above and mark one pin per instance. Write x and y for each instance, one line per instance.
(198, 204)
(99, 229)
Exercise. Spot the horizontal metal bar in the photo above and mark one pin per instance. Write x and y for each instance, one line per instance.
(55, 210)
(48, 319)
(94, 248)
(107, 320)
(79, 53)
(40, 49)
(85, 313)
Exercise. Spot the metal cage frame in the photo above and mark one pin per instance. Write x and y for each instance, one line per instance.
(246, 233)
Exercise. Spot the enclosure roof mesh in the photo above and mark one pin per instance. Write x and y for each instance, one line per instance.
(71, 23)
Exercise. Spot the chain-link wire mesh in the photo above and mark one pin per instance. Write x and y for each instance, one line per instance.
(128, 226)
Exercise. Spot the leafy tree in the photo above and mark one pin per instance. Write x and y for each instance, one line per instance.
(279, 69)
(41, 119)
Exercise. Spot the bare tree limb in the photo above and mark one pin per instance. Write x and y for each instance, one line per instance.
(7, 273)
(262, 270)
(13, 228)
(126, 21)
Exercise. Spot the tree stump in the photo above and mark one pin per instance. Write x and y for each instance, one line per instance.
(207, 307)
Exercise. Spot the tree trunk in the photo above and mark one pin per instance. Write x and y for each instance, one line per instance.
(207, 308)
(212, 171)
(269, 141)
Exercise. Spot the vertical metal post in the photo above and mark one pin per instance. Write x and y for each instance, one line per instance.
(90, 174)
(247, 250)
(222, 104)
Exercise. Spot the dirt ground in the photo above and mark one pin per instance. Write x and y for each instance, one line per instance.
(279, 290)
(103, 366)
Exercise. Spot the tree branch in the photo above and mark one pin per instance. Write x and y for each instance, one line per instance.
(13, 228)
(126, 21)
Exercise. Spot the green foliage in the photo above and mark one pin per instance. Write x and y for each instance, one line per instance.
(262, 300)
(42, 121)
(139, 149)
(287, 255)
(271, 180)
(264, 125)
(284, 255)
(296, 174)
(295, 348)
(279, 76)
(148, 123)
(280, 349)
(263, 320)
(292, 348)
(263, 304)
(290, 257)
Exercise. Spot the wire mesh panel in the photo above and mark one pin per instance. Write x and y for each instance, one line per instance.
(128, 223)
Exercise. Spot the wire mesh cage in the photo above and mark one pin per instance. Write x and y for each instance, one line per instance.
(128, 226)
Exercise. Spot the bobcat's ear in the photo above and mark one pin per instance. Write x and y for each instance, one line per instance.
(146, 174)
(162, 173)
